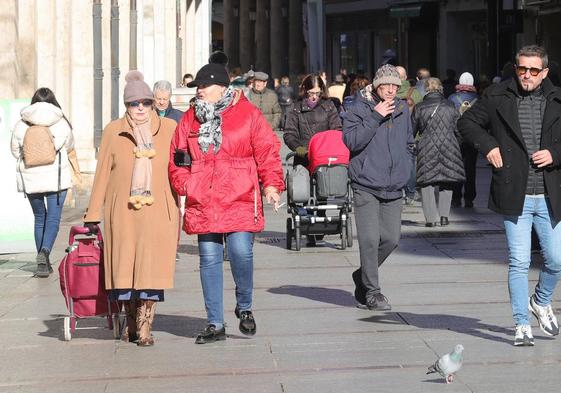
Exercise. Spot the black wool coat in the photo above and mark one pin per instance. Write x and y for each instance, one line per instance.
(493, 122)
(439, 159)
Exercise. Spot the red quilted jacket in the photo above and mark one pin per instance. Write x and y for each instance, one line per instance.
(223, 189)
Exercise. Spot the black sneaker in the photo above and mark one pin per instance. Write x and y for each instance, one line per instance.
(210, 335)
(247, 322)
(44, 268)
(378, 302)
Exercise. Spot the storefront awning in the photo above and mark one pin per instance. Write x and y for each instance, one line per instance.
(406, 10)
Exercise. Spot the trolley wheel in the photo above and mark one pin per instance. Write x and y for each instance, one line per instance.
(116, 325)
(297, 235)
(344, 236)
(349, 232)
(67, 333)
(289, 233)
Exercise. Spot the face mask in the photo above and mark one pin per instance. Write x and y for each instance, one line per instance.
(311, 104)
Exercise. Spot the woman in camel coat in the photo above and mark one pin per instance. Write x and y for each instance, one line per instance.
(140, 209)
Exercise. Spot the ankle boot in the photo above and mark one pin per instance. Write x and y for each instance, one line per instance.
(129, 333)
(144, 319)
(44, 268)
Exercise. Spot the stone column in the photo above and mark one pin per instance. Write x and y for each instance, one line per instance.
(262, 53)
(231, 10)
(245, 36)
(295, 39)
(278, 40)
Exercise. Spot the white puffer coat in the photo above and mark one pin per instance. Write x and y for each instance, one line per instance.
(43, 178)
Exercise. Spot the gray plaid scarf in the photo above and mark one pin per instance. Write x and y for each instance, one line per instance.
(210, 116)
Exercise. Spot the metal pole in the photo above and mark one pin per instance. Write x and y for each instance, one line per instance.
(98, 73)
(115, 59)
(133, 35)
(178, 45)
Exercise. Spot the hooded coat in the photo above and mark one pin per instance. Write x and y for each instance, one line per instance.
(439, 159)
(140, 245)
(223, 189)
(44, 178)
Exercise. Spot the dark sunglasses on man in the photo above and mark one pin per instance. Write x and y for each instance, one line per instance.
(521, 70)
(145, 103)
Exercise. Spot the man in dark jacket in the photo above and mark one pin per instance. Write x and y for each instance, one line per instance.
(377, 130)
(463, 99)
(517, 126)
(162, 102)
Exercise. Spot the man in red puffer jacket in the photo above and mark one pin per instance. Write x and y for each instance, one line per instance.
(222, 152)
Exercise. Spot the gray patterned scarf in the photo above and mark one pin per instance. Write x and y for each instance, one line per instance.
(210, 116)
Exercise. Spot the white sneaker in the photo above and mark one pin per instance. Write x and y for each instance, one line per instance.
(545, 317)
(523, 336)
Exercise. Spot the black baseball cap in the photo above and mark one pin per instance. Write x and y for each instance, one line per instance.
(211, 74)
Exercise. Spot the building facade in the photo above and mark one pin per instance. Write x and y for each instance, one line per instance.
(83, 49)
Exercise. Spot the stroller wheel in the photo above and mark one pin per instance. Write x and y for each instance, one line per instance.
(297, 235)
(289, 233)
(349, 232)
(67, 334)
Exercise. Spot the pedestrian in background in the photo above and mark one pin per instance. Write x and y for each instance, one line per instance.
(162, 101)
(45, 186)
(516, 125)
(233, 157)
(312, 112)
(412, 97)
(265, 100)
(285, 94)
(463, 99)
(140, 211)
(337, 88)
(439, 160)
(422, 75)
(358, 83)
(186, 79)
(377, 130)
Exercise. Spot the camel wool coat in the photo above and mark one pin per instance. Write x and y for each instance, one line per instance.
(139, 245)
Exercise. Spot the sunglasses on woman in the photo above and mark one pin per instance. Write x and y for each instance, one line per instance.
(521, 70)
(144, 103)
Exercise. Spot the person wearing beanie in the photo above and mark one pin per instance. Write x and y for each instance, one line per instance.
(224, 158)
(377, 130)
(463, 99)
(265, 99)
(133, 197)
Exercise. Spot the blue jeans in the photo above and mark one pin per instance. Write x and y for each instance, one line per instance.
(537, 213)
(211, 253)
(47, 217)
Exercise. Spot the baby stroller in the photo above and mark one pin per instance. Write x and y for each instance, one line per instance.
(320, 204)
(82, 282)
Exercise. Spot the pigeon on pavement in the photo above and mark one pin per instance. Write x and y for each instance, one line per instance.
(448, 364)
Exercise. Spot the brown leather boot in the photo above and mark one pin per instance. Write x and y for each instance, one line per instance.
(144, 318)
(129, 332)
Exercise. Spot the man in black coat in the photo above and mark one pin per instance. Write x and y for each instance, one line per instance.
(517, 126)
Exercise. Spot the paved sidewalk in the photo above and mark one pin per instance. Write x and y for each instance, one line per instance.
(446, 285)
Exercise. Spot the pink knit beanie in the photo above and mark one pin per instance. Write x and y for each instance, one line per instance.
(136, 89)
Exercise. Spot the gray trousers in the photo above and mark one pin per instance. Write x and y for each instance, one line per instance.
(378, 226)
(433, 209)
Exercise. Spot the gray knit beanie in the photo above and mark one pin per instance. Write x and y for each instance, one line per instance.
(386, 74)
(136, 89)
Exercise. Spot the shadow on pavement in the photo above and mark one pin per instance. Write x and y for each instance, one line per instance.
(459, 324)
(96, 327)
(334, 296)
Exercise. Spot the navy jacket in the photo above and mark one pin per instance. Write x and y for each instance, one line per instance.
(172, 113)
(381, 147)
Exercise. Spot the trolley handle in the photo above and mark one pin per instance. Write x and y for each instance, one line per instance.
(81, 230)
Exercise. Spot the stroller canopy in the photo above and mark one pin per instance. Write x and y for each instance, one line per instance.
(327, 148)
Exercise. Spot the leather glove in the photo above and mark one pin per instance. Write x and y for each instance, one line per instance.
(92, 227)
(301, 151)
